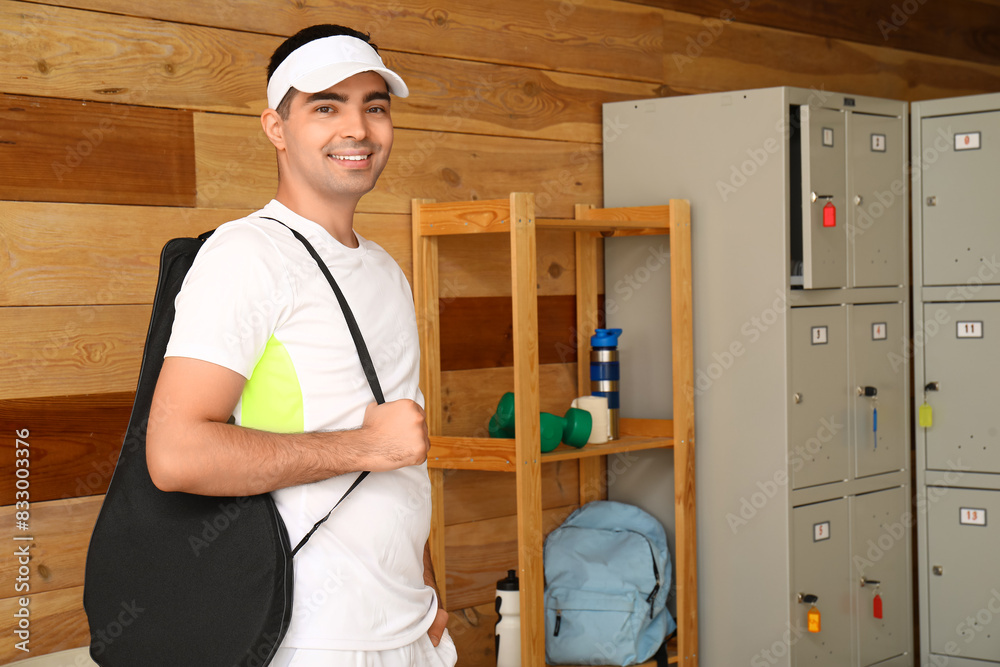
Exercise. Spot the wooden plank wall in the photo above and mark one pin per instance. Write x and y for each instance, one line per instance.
(124, 123)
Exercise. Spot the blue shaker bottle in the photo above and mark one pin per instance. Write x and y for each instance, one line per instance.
(605, 374)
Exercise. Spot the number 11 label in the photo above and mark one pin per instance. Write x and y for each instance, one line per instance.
(970, 329)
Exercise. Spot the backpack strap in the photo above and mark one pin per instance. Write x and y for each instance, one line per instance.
(366, 361)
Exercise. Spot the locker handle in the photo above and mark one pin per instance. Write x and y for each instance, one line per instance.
(932, 386)
(873, 582)
(868, 392)
(808, 598)
(816, 196)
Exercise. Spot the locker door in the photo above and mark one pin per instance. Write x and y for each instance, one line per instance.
(963, 536)
(962, 355)
(878, 343)
(880, 525)
(824, 192)
(961, 235)
(820, 557)
(876, 197)
(818, 433)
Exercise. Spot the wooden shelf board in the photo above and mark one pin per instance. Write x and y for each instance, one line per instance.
(497, 454)
(602, 225)
(626, 443)
(460, 453)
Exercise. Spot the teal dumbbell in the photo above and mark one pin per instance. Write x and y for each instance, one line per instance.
(573, 428)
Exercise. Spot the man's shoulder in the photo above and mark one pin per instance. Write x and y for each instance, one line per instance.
(251, 235)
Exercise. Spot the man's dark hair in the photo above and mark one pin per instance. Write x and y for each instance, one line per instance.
(301, 38)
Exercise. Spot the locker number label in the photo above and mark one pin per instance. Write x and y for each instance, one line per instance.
(970, 329)
(968, 141)
(828, 136)
(972, 516)
(821, 531)
(879, 331)
(819, 336)
(878, 143)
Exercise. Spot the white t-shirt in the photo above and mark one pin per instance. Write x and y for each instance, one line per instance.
(255, 302)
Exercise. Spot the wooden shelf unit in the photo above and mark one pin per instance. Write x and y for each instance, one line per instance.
(522, 455)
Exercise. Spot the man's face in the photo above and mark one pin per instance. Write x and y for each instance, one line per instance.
(337, 141)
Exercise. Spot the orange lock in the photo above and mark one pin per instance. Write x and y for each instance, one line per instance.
(813, 618)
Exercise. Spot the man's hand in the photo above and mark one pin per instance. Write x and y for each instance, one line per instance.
(397, 434)
(437, 627)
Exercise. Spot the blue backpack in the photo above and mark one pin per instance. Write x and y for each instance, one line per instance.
(607, 575)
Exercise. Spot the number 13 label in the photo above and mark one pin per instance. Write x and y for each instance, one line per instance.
(971, 516)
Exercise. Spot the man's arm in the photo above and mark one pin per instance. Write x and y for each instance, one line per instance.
(191, 448)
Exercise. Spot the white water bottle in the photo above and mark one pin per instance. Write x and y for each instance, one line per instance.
(508, 628)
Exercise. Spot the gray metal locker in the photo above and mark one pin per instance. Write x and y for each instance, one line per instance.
(876, 199)
(879, 338)
(783, 317)
(961, 226)
(824, 197)
(956, 313)
(820, 567)
(964, 590)
(817, 430)
(962, 352)
(880, 556)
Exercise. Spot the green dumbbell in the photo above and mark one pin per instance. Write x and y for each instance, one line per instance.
(573, 428)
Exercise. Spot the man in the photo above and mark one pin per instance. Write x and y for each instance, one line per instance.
(260, 341)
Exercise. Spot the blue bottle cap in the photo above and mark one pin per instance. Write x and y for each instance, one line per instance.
(605, 338)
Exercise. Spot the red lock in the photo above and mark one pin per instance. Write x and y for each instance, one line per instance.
(829, 215)
(877, 606)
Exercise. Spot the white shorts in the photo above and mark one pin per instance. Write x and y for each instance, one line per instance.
(421, 653)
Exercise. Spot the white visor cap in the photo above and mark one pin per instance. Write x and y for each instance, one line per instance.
(325, 62)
